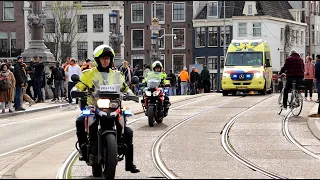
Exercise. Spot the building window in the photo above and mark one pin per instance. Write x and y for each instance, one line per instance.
(250, 10)
(50, 26)
(312, 38)
(66, 49)
(178, 12)
(282, 35)
(213, 9)
(13, 44)
(221, 61)
(137, 60)
(82, 50)
(281, 59)
(98, 23)
(178, 43)
(178, 62)
(65, 25)
(159, 12)
(297, 37)
(292, 36)
(162, 60)
(162, 40)
(213, 36)
(222, 36)
(256, 29)
(312, 7)
(301, 38)
(96, 44)
(242, 30)
(8, 11)
(212, 62)
(200, 36)
(317, 6)
(82, 23)
(137, 39)
(51, 46)
(137, 13)
(4, 44)
(201, 60)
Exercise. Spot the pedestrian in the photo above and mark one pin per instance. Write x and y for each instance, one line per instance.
(205, 79)
(72, 69)
(184, 77)
(86, 65)
(58, 76)
(25, 96)
(30, 82)
(317, 76)
(20, 78)
(51, 84)
(7, 81)
(194, 77)
(309, 72)
(38, 79)
(173, 83)
(146, 70)
(126, 71)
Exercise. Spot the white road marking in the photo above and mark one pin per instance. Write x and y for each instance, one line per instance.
(2, 125)
(39, 142)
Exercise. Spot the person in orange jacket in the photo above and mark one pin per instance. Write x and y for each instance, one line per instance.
(184, 76)
(86, 65)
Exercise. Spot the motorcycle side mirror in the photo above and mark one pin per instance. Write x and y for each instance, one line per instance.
(75, 78)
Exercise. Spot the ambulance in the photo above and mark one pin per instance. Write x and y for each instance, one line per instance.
(247, 68)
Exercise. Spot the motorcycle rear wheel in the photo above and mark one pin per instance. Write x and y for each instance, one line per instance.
(110, 157)
(151, 116)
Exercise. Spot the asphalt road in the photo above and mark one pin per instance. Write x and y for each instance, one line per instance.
(23, 137)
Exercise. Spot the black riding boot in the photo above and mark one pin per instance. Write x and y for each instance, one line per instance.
(129, 160)
(167, 104)
(82, 139)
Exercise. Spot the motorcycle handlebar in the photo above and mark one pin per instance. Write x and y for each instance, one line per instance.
(131, 98)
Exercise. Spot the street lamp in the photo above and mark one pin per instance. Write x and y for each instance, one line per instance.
(154, 39)
(113, 17)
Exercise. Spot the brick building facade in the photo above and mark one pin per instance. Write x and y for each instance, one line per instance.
(174, 18)
(12, 29)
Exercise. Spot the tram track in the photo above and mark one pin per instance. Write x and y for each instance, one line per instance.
(65, 170)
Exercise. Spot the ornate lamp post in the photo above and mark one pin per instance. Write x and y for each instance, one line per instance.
(115, 38)
(36, 22)
(155, 54)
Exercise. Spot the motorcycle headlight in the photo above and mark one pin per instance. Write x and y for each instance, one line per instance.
(103, 103)
(148, 93)
(226, 75)
(156, 93)
(258, 74)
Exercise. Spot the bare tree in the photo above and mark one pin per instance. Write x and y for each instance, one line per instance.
(62, 28)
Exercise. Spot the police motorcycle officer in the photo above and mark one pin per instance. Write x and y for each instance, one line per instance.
(103, 56)
(157, 72)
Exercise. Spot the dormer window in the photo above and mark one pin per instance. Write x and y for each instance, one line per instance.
(250, 10)
(298, 16)
(213, 9)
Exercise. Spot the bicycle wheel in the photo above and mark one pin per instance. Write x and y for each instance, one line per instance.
(297, 104)
(280, 99)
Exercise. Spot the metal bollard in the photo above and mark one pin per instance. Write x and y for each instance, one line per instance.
(273, 86)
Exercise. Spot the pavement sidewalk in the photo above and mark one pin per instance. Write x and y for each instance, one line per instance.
(48, 104)
(59, 152)
(314, 121)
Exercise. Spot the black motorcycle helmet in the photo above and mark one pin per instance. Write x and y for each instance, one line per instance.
(103, 51)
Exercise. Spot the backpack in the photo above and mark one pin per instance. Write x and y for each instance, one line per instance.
(5, 84)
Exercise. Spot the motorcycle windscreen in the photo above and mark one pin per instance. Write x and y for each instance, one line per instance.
(107, 83)
(153, 82)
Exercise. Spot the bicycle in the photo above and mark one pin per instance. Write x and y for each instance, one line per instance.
(296, 100)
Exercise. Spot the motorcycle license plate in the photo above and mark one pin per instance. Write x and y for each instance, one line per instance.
(108, 88)
(241, 87)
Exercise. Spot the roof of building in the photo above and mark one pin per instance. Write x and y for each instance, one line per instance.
(278, 9)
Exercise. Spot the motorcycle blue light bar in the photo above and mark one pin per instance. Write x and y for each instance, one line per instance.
(248, 75)
(86, 112)
(234, 76)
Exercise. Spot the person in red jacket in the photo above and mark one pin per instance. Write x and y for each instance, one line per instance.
(294, 69)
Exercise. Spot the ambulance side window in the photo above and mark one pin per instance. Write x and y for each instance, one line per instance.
(267, 59)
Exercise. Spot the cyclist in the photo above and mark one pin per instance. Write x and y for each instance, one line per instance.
(294, 68)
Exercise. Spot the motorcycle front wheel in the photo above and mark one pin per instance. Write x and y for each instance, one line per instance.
(151, 116)
(110, 157)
